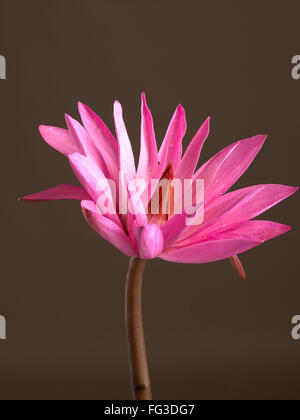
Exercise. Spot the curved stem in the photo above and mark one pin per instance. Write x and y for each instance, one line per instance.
(140, 380)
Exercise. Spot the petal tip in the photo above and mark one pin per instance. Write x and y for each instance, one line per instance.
(83, 109)
(80, 105)
(118, 111)
(207, 123)
(291, 190)
(180, 109)
(261, 138)
(43, 129)
(144, 101)
(68, 119)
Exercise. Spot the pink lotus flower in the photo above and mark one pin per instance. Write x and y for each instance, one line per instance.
(227, 229)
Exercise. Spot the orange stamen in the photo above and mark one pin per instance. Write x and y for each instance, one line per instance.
(166, 201)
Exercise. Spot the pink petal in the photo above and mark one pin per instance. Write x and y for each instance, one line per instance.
(237, 207)
(136, 216)
(173, 228)
(171, 149)
(138, 211)
(261, 230)
(150, 241)
(107, 229)
(226, 167)
(93, 181)
(102, 138)
(88, 174)
(148, 162)
(227, 244)
(61, 192)
(59, 138)
(126, 157)
(85, 143)
(190, 159)
(209, 251)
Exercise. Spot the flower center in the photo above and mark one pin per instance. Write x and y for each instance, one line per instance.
(161, 206)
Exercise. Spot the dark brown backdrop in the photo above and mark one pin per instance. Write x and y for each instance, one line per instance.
(209, 334)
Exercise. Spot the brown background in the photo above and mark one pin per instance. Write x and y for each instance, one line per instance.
(209, 334)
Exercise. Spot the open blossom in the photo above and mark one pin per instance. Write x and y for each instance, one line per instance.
(98, 158)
